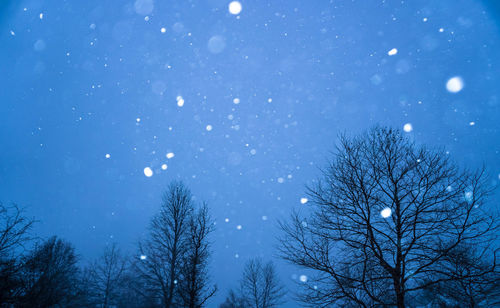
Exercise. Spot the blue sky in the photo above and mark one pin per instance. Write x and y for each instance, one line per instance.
(265, 94)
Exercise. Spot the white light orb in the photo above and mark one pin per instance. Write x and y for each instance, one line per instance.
(236, 101)
(392, 52)
(164, 167)
(386, 213)
(408, 127)
(303, 200)
(455, 84)
(108, 156)
(303, 278)
(143, 257)
(148, 172)
(180, 101)
(209, 127)
(235, 7)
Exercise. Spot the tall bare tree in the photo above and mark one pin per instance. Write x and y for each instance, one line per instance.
(106, 277)
(385, 221)
(14, 233)
(161, 253)
(193, 286)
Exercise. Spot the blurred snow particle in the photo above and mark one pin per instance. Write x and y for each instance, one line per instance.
(376, 79)
(170, 155)
(269, 100)
(264, 217)
(235, 7)
(472, 123)
(403, 66)
(303, 278)
(392, 52)
(163, 30)
(385, 213)
(455, 84)
(216, 44)
(424, 19)
(143, 7)
(41, 15)
(92, 26)
(441, 30)
(236, 101)
(209, 127)
(148, 172)
(408, 127)
(159, 87)
(138, 120)
(253, 151)
(39, 45)
(469, 196)
(303, 200)
(234, 159)
(143, 257)
(108, 156)
(239, 227)
(12, 33)
(281, 180)
(226, 220)
(180, 101)
(164, 167)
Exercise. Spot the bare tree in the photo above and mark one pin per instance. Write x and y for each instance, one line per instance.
(475, 280)
(233, 300)
(385, 221)
(260, 286)
(14, 227)
(14, 233)
(193, 287)
(106, 277)
(162, 252)
(50, 276)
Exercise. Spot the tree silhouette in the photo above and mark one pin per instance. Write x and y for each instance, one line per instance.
(161, 253)
(259, 287)
(106, 277)
(385, 222)
(193, 288)
(14, 233)
(50, 276)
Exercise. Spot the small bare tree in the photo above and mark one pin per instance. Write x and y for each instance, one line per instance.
(193, 286)
(50, 276)
(385, 221)
(14, 227)
(106, 277)
(14, 233)
(260, 286)
(160, 263)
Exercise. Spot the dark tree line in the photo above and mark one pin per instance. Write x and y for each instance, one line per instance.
(170, 269)
(392, 223)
